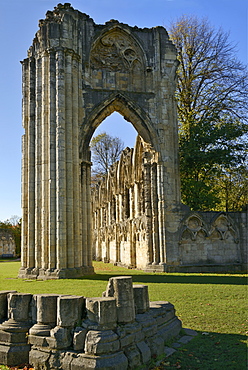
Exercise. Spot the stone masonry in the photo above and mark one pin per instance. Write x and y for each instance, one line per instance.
(120, 330)
(75, 75)
(7, 244)
(126, 218)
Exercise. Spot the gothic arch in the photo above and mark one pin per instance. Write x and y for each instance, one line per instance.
(75, 75)
(128, 109)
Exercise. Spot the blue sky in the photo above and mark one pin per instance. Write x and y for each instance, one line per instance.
(18, 24)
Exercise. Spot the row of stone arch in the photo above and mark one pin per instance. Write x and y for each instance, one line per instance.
(125, 210)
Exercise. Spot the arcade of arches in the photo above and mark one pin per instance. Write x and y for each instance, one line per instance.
(76, 74)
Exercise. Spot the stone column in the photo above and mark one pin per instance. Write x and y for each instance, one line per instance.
(84, 212)
(154, 208)
(46, 314)
(43, 264)
(141, 298)
(121, 288)
(69, 159)
(52, 164)
(69, 312)
(14, 349)
(61, 254)
(38, 161)
(88, 262)
(24, 199)
(161, 213)
(76, 80)
(148, 211)
(136, 200)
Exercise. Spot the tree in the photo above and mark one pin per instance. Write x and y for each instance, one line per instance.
(106, 150)
(232, 185)
(212, 108)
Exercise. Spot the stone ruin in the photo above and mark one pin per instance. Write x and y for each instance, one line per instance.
(120, 330)
(125, 223)
(75, 75)
(7, 244)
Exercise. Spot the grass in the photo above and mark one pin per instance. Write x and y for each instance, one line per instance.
(212, 304)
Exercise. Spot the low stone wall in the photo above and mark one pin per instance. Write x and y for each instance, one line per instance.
(120, 330)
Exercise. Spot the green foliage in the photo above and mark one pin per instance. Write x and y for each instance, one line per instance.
(212, 108)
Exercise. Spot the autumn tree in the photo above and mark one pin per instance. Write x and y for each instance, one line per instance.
(212, 108)
(106, 150)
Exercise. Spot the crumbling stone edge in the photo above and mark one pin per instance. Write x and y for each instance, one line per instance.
(184, 337)
(120, 330)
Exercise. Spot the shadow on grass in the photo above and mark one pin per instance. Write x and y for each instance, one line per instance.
(213, 351)
(173, 279)
(170, 278)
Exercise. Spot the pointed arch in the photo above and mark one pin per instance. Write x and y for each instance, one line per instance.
(128, 109)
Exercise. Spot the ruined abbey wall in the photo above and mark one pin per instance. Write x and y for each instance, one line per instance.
(125, 210)
(7, 244)
(125, 224)
(75, 75)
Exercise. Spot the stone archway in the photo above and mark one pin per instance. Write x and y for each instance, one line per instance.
(76, 74)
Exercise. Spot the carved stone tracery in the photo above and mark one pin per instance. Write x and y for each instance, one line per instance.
(115, 51)
(136, 215)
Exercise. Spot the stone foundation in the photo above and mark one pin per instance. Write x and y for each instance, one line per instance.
(121, 330)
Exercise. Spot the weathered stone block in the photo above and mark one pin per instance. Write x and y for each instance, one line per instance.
(13, 337)
(4, 304)
(133, 356)
(170, 329)
(60, 338)
(148, 323)
(37, 341)
(141, 298)
(14, 355)
(103, 311)
(145, 351)
(106, 362)
(39, 359)
(156, 345)
(121, 289)
(79, 336)
(69, 310)
(101, 342)
(19, 306)
(169, 351)
(127, 340)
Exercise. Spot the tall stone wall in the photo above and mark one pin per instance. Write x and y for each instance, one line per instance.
(75, 75)
(125, 211)
(121, 330)
(126, 227)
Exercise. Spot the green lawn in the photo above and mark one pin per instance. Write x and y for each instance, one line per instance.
(213, 304)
